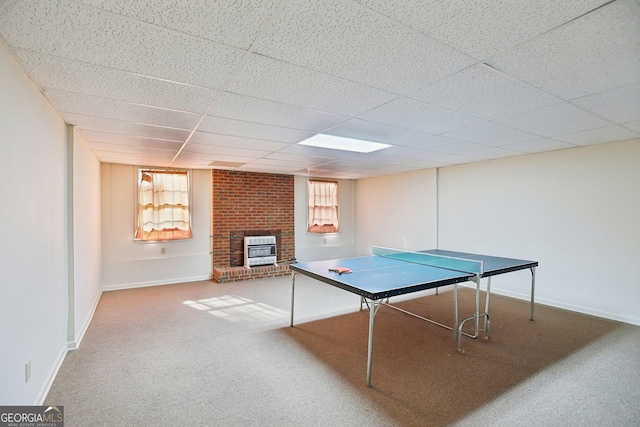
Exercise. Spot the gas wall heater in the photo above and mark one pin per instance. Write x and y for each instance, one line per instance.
(259, 250)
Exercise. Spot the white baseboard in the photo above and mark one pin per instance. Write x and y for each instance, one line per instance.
(53, 372)
(552, 303)
(134, 285)
(80, 335)
(566, 306)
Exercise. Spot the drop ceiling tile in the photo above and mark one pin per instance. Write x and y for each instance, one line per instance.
(426, 164)
(557, 119)
(484, 92)
(230, 155)
(439, 144)
(455, 159)
(381, 171)
(267, 162)
(538, 145)
(240, 107)
(620, 105)
(68, 102)
(458, 141)
(351, 165)
(134, 141)
(399, 137)
(86, 34)
(262, 168)
(305, 150)
(64, 74)
(134, 160)
(357, 175)
(273, 80)
(226, 21)
(594, 53)
(360, 174)
(376, 169)
(487, 153)
(191, 164)
(308, 161)
(378, 159)
(223, 164)
(85, 123)
(399, 154)
(107, 147)
(634, 126)
(146, 159)
(410, 114)
(342, 39)
(482, 28)
(491, 134)
(598, 136)
(236, 141)
(195, 148)
(413, 166)
(207, 158)
(252, 130)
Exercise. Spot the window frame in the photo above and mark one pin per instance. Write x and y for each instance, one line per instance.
(308, 208)
(139, 171)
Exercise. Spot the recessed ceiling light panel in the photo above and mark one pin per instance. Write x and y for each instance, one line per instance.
(342, 143)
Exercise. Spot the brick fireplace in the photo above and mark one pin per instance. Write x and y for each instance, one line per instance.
(250, 204)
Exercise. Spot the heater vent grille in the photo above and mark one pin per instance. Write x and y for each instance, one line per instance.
(259, 250)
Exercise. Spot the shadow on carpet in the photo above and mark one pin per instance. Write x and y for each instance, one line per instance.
(418, 376)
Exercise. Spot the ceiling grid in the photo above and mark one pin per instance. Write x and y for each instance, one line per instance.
(237, 85)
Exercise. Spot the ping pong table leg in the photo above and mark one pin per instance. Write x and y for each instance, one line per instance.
(477, 306)
(476, 316)
(455, 306)
(372, 314)
(533, 287)
(373, 309)
(293, 289)
(457, 329)
(486, 302)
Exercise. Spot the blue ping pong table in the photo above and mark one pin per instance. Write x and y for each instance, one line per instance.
(391, 272)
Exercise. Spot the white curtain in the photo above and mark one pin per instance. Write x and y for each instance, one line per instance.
(163, 205)
(323, 207)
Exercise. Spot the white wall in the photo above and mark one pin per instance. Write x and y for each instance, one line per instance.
(33, 231)
(86, 282)
(397, 211)
(575, 211)
(128, 264)
(313, 246)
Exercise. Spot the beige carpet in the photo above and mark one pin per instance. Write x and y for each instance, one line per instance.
(223, 355)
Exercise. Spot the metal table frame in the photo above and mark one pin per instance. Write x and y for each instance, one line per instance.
(374, 304)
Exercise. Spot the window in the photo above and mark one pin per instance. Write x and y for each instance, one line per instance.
(163, 205)
(323, 207)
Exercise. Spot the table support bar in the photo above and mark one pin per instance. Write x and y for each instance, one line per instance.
(429, 320)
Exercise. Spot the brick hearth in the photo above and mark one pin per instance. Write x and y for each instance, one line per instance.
(236, 274)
